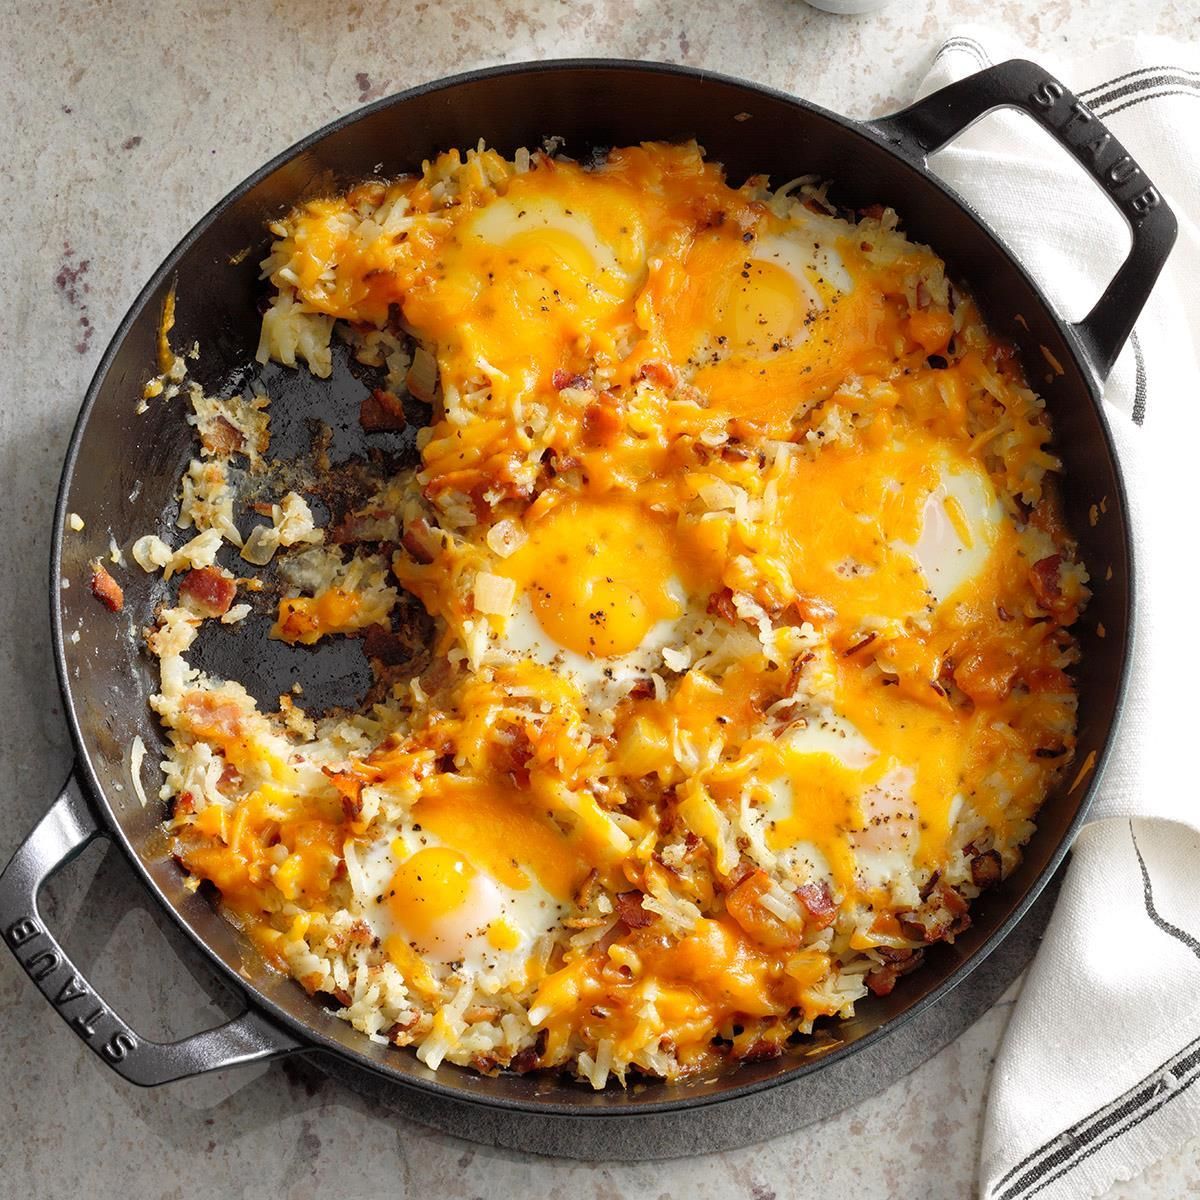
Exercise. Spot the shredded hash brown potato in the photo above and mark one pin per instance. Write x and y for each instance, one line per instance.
(751, 605)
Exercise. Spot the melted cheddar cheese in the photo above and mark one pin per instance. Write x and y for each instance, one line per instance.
(752, 608)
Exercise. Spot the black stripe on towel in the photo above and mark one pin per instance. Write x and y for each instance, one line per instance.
(1180, 935)
(1139, 386)
(1095, 1131)
(967, 44)
(1182, 91)
(1127, 85)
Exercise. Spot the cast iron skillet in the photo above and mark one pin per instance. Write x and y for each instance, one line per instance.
(122, 468)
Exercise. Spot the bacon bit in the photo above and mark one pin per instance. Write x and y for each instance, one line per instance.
(642, 689)
(720, 604)
(630, 910)
(1002, 356)
(349, 788)
(761, 1051)
(485, 1064)
(873, 212)
(207, 591)
(797, 670)
(881, 980)
(389, 649)
(601, 424)
(986, 869)
(513, 759)
(185, 803)
(940, 918)
(565, 379)
(744, 869)
(380, 411)
(895, 954)
(818, 903)
(664, 374)
(398, 1028)
(1046, 582)
(860, 645)
(525, 1060)
(105, 588)
(221, 438)
(420, 541)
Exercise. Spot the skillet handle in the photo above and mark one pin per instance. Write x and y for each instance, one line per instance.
(922, 128)
(57, 838)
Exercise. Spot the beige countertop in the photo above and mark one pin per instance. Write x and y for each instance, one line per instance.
(124, 122)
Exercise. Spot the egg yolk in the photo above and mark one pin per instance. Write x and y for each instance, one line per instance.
(429, 887)
(600, 575)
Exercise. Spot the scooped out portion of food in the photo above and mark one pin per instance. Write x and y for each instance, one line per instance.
(747, 601)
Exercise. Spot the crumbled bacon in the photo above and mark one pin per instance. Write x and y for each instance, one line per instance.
(220, 438)
(941, 917)
(400, 1027)
(630, 910)
(420, 541)
(1046, 582)
(512, 758)
(524, 1061)
(873, 211)
(207, 591)
(565, 379)
(601, 424)
(720, 604)
(812, 610)
(761, 1051)
(897, 961)
(986, 869)
(861, 644)
(818, 903)
(664, 374)
(106, 589)
(349, 788)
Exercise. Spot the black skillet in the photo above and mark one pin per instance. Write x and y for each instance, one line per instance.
(122, 468)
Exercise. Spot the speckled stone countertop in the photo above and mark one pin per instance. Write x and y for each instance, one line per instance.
(123, 123)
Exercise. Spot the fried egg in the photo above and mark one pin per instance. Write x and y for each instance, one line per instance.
(602, 587)
(887, 531)
(473, 880)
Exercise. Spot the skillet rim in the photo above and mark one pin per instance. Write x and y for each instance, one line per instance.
(589, 1105)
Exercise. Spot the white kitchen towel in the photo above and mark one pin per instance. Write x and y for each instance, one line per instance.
(1094, 1077)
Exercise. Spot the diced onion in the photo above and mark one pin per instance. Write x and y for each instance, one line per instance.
(494, 594)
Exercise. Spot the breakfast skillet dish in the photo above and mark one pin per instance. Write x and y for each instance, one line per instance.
(750, 604)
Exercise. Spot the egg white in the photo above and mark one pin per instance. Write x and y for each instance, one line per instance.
(946, 561)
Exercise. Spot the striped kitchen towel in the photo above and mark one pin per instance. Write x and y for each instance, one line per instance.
(1093, 1080)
